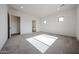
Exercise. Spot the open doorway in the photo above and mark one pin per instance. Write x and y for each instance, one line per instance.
(33, 25)
(14, 25)
(8, 25)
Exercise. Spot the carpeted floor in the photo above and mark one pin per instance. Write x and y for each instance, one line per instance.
(19, 45)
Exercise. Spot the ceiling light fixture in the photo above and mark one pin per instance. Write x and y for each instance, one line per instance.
(45, 22)
(21, 7)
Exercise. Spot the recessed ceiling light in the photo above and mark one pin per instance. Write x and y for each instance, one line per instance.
(45, 22)
(21, 7)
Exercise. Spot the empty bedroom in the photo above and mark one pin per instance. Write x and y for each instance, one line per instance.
(39, 29)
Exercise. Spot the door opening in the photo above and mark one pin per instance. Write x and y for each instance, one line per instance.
(33, 25)
(14, 25)
(8, 25)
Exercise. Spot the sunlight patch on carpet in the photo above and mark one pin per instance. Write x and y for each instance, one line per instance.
(42, 42)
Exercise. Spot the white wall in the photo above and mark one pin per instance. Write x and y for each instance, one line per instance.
(67, 27)
(26, 24)
(14, 24)
(25, 21)
(3, 25)
(77, 31)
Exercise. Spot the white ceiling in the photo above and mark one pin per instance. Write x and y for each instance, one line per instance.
(40, 10)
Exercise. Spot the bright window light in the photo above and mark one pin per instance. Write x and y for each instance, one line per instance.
(61, 19)
(45, 22)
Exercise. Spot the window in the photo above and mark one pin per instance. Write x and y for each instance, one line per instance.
(61, 19)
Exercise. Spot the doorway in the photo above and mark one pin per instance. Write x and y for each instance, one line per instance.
(14, 25)
(33, 25)
(8, 25)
